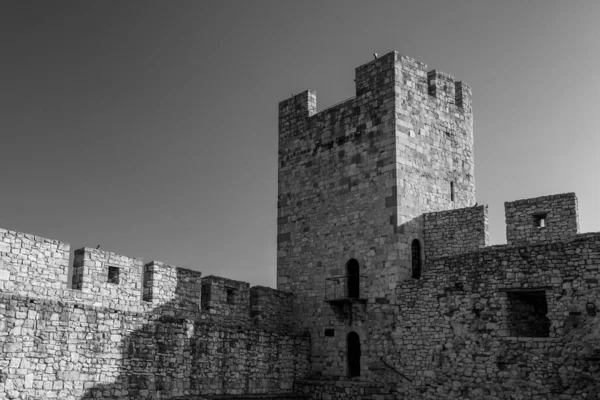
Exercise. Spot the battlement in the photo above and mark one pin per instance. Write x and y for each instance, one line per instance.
(167, 284)
(28, 262)
(455, 231)
(378, 80)
(542, 218)
(107, 274)
(528, 221)
(36, 266)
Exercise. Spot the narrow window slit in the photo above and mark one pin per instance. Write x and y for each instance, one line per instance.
(230, 296)
(113, 275)
(539, 220)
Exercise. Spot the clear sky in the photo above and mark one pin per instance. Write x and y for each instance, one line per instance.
(150, 128)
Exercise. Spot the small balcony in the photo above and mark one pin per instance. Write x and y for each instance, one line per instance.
(345, 289)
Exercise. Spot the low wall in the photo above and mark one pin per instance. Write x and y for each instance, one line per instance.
(68, 350)
(451, 232)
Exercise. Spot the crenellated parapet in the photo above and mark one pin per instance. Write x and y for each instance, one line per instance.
(107, 274)
(271, 309)
(226, 298)
(38, 267)
(542, 218)
(174, 287)
(29, 262)
(455, 231)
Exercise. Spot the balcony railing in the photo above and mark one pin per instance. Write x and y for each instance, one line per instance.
(345, 289)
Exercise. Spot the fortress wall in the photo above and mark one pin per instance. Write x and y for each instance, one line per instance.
(271, 309)
(107, 274)
(492, 322)
(31, 263)
(101, 340)
(55, 349)
(180, 287)
(226, 298)
(542, 218)
(457, 231)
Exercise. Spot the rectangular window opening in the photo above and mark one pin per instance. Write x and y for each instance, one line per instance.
(230, 295)
(329, 332)
(113, 275)
(528, 312)
(452, 191)
(540, 220)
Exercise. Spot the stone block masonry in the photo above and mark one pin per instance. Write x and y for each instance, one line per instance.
(376, 205)
(543, 218)
(389, 289)
(355, 180)
(101, 340)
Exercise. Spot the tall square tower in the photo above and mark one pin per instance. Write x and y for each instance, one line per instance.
(354, 181)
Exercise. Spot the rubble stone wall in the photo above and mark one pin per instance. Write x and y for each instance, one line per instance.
(102, 341)
(450, 334)
(92, 274)
(271, 309)
(543, 218)
(455, 231)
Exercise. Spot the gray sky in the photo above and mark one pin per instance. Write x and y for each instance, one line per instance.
(150, 128)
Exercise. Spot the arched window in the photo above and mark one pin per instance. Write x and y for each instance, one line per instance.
(353, 353)
(416, 259)
(352, 273)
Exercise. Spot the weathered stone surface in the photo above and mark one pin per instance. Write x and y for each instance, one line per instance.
(370, 191)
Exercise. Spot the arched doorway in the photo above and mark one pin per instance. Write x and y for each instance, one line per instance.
(416, 259)
(353, 354)
(353, 278)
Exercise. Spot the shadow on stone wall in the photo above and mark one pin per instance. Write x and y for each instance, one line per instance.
(157, 360)
(179, 350)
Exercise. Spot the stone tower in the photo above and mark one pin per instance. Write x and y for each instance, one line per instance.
(354, 181)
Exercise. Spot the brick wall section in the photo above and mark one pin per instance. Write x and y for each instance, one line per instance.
(271, 309)
(91, 274)
(180, 287)
(560, 210)
(453, 232)
(32, 263)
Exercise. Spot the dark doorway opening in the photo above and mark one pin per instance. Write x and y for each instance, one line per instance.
(416, 259)
(528, 313)
(353, 352)
(353, 276)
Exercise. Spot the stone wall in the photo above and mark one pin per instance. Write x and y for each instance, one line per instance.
(455, 231)
(271, 309)
(107, 274)
(62, 350)
(31, 263)
(179, 287)
(104, 342)
(543, 218)
(452, 332)
(355, 179)
(226, 298)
